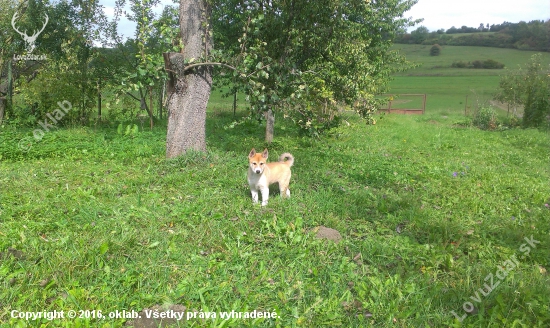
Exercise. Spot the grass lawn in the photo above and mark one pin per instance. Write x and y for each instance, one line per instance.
(434, 220)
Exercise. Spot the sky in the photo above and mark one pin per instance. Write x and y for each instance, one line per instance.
(437, 14)
(444, 14)
(126, 27)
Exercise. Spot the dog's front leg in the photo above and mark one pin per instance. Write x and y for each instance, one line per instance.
(265, 196)
(254, 193)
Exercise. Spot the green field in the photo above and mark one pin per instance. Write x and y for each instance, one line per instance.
(448, 89)
(441, 65)
(447, 94)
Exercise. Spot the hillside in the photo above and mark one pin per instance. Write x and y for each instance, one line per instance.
(441, 65)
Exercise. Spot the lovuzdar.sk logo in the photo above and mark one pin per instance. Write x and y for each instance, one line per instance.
(29, 39)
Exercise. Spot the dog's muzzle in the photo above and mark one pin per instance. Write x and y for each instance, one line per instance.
(258, 171)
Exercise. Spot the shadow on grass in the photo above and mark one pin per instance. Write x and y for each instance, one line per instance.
(228, 132)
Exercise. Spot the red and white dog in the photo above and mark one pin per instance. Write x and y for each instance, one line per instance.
(261, 174)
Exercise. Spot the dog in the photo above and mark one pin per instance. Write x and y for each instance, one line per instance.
(261, 174)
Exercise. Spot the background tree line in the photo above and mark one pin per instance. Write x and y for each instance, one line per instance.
(533, 35)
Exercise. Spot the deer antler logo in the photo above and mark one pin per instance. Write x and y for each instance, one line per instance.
(29, 40)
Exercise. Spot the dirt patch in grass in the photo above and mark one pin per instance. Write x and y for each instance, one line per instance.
(327, 233)
(12, 252)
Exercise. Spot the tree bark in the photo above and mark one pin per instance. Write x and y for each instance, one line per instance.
(189, 89)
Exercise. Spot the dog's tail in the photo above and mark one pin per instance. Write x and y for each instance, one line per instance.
(289, 159)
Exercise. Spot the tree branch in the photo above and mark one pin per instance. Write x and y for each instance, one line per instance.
(208, 64)
(131, 95)
(249, 75)
(188, 67)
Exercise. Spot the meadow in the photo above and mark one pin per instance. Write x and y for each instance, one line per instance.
(456, 89)
(442, 225)
(441, 65)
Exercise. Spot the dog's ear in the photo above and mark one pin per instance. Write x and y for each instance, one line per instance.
(252, 153)
(265, 153)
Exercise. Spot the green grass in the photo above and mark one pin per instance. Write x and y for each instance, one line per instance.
(105, 222)
(441, 65)
(446, 94)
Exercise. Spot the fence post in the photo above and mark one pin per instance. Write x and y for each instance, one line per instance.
(424, 105)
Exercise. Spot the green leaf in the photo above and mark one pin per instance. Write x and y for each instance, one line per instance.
(153, 245)
(103, 248)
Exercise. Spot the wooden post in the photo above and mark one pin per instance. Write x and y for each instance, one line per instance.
(424, 105)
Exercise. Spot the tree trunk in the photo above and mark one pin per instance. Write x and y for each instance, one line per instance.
(9, 105)
(144, 106)
(189, 90)
(161, 99)
(151, 107)
(235, 104)
(99, 100)
(3, 103)
(270, 126)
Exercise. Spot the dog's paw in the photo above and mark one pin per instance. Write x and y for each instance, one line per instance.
(264, 203)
